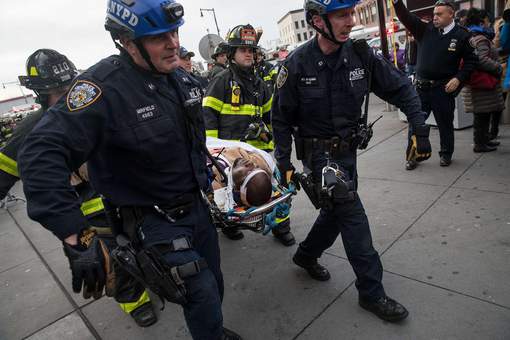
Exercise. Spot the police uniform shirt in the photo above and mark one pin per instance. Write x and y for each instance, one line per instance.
(324, 100)
(130, 126)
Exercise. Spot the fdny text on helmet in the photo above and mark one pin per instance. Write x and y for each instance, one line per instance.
(122, 13)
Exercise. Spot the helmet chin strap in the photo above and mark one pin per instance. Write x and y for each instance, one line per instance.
(330, 35)
(146, 57)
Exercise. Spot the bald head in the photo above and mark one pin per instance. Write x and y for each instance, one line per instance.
(258, 189)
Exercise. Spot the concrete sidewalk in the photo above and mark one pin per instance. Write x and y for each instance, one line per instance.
(443, 234)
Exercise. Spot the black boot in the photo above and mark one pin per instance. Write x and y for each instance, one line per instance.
(493, 143)
(385, 308)
(411, 165)
(144, 315)
(233, 233)
(314, 269)
(230, 335)
(283, 234)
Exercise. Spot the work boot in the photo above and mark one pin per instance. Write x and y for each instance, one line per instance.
(483, 148)
(314, 269)
(445, 160)
(493, 143)
(233, 233)
(411, 165)
(230, 335)
(287, 238)
(385, 308)
(144, 315)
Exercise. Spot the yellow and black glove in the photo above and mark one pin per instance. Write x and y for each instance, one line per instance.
(288, 175)
(90, 264)
(419, 148)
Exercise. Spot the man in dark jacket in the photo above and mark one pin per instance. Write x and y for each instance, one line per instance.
(237, 106)
(220, 60)
(441, 46)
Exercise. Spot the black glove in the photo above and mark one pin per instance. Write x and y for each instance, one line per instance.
(419, 148)
(89, 262)
(288, 175)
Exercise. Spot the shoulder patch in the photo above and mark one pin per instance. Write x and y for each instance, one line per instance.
(82, 94)
(282, 77)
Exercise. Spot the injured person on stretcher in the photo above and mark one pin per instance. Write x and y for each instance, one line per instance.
(251, 198)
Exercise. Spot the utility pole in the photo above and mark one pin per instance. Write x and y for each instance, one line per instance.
(214, 15)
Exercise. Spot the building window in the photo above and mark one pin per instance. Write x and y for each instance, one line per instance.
(296, 24)
(311, 34)
(302, 23)
(298, 37)
(305, 37)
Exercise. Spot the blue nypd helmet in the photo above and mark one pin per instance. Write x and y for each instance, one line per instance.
(140, 18)
(323, 7)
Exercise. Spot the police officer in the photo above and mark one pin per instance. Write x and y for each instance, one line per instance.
(126, 116)
(442, 44)
(237, 106)
(220, 60)
(186, 64)
(321, 88)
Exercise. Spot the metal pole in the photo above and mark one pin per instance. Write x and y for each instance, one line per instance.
(382, 28)
(214, 15)
(216, 22)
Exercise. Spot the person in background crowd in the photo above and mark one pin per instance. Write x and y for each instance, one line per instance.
(401, 63)
(483, 102)
(186, 64)
(460, 17)
(442, 45)
(503, 60)
(220, 60)
(411, 52)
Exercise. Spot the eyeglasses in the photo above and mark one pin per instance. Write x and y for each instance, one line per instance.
(445, 3)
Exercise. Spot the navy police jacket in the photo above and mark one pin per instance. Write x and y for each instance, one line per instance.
(322, 96)
(130, 126)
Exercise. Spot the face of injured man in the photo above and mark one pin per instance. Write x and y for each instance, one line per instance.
(240, 169)
(252, 184)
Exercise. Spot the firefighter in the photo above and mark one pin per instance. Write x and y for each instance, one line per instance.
(237, 106)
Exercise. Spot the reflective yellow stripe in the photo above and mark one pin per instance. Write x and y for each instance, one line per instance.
(33, 71)
(8, 165)
(267, 106)
(213, 103)
(280, 220)
(211, 133)
(227, 109)
(268, 78)
(92, 206)
(128, 307)
(273, 72)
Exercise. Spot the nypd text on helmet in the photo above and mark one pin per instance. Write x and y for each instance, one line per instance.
(122, 12)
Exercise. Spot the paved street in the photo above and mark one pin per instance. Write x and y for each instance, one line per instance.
(443, 235)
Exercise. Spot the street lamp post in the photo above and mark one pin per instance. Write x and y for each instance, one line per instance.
(214, 15)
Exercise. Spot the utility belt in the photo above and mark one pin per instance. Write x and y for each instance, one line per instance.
(425, 84)
(132, 216)
(335, 146)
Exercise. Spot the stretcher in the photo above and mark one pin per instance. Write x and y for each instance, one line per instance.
(226, 213)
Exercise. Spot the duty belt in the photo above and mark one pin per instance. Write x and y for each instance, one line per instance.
(333, 145)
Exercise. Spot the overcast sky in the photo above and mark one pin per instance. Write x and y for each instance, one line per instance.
(75, 28)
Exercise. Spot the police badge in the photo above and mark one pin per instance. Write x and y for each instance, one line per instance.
(82, 94)
(282, 77)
